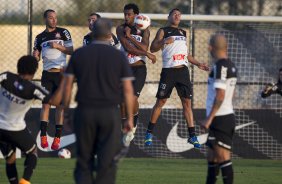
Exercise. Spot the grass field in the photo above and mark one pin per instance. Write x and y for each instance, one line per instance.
(156, 171)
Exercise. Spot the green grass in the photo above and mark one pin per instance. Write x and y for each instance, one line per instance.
(156, 171)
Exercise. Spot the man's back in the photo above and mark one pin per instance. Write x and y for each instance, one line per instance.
(98, 68)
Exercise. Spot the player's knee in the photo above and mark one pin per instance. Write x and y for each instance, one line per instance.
(160, 103)
(31, 159)
(11, 158)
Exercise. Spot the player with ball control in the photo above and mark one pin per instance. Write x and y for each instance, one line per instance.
(135, 43)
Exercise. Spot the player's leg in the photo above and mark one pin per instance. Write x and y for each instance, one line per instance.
(185, 92)
(9, 153)
(225, 164)
(44, 114)
(25, 142)
(166, 85)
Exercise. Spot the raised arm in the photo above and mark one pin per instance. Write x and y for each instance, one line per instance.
(144, 44)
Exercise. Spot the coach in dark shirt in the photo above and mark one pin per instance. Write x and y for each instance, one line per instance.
(100, 69)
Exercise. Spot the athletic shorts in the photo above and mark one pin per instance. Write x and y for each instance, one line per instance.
(51, 81)
(140, 73)
(12, 139)
(178, 78)
(221, 131)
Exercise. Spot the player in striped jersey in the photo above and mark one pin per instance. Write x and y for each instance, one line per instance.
(175, 73)
(220, 114)
(134, 44)
(17, 93)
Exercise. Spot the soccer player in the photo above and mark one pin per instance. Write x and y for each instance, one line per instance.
(54, 43)
(134, 43)
(175, 73)
(97, 116)
(273, 88)
(88, 39)
(16, 96)
(220, 115)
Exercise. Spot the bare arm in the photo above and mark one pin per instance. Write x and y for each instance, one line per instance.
(220, 93)
(144, 44)
(63, 49)
(36, 54)
(128, 94)
(201, 66)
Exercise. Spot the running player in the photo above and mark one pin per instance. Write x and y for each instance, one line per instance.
(220, 114)
(273, 88)
(88, 39)
(16, 96)
(134, 43)
(54, 43)
(175, 73)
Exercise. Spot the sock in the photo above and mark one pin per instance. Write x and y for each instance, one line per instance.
(213, 171)
(12, 174)
(59, 129)
(191, 131)
(43, 128)
(29, 165)
(150, 127)
(135, 117)
(226, 171)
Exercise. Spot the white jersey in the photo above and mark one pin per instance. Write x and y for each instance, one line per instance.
(175, 54)
(53, 58)
(16, 97)
(137, 35)
(223, 76)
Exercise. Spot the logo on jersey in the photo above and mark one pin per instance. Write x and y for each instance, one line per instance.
(18, 85)
(58, 36)
(3, 77)
(67, 34)
(13, 98)
(39, 94)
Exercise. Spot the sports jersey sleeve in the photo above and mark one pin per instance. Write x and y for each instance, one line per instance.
(3, 76)
(37, 44)
(67, 38)
(220, 72)
(41, 94)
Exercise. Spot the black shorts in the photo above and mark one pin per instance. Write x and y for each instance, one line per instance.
(140, 73)
(178, 78)
(221, 131)
(51, 81)
(12, 139)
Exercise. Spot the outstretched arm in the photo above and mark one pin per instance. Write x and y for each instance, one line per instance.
(201, 66)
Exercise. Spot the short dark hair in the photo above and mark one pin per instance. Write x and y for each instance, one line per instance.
(45, 14)
(27, 65)
(132, 6)
(96, 14)
(101, 28)
(174, 9)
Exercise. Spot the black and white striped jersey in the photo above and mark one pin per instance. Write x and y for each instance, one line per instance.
(16, 97)
(175, 54)
(53, 58)
(222, 76)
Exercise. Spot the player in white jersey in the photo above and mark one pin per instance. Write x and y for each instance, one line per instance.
(175, 73)
(134, 43)
(54, 43)
(17, 93)
(220, 115)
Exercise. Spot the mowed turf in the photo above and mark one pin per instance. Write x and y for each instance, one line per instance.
(156, 171)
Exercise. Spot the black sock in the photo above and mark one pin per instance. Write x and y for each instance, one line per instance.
(29, 165)
(12, 174)
(43, 128)
(59, 129)
(136, 116)
(213, 170)
(226, 171)
(150, 127)
(191, 131)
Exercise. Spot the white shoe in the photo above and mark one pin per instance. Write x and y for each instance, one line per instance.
(127, 138)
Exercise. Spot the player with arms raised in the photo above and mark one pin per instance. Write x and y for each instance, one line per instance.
(175, 73)
(135, 43)
(54, 43)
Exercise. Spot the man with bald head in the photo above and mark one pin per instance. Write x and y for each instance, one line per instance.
(220, 115)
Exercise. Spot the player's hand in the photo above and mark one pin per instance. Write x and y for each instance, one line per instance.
(36, 54)
(205, 124)
(127, 31)
(152, 57)
(54, 45)
(169, 40)
(128, 125)
(203, 66)
(268, 88)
